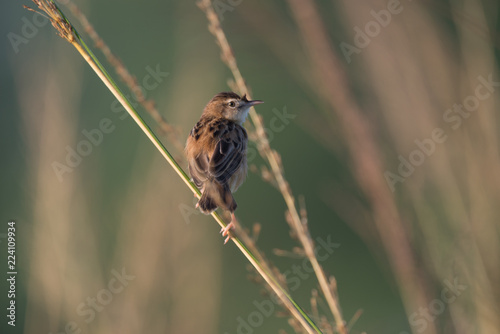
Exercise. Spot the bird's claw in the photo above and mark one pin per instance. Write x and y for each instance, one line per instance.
(225, 231)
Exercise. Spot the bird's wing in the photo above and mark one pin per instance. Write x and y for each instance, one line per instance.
(228, 153)
(198, 169)
(198, 157)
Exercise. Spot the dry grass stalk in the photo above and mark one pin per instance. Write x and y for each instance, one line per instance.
(368, 169)
(172, 133)
(274, 161)
(251, 244)
(66, 31)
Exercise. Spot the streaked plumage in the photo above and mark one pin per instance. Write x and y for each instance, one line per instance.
(216, 151)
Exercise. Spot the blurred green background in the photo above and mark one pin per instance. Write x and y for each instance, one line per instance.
(123, 209)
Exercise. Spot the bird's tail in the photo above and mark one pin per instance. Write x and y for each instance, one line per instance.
(216, 195)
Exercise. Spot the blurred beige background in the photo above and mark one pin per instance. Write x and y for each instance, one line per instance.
(392, 138)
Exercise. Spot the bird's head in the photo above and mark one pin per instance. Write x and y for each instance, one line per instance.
(230, 106)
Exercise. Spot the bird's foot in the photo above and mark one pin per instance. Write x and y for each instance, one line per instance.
(226, 230)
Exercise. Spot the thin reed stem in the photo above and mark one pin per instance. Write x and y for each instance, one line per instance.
(68, 32)
(131, 82)
(274, 161)
(368, 169)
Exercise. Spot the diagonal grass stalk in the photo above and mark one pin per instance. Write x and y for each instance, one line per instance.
(68, 32)
(296, 223)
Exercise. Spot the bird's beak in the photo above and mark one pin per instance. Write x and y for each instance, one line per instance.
(254, 102)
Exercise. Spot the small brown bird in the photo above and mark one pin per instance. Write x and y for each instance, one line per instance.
(216, 151)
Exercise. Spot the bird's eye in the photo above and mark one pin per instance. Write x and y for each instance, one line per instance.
(231, 104)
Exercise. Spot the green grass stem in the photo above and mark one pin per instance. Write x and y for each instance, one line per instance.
(68, 32)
